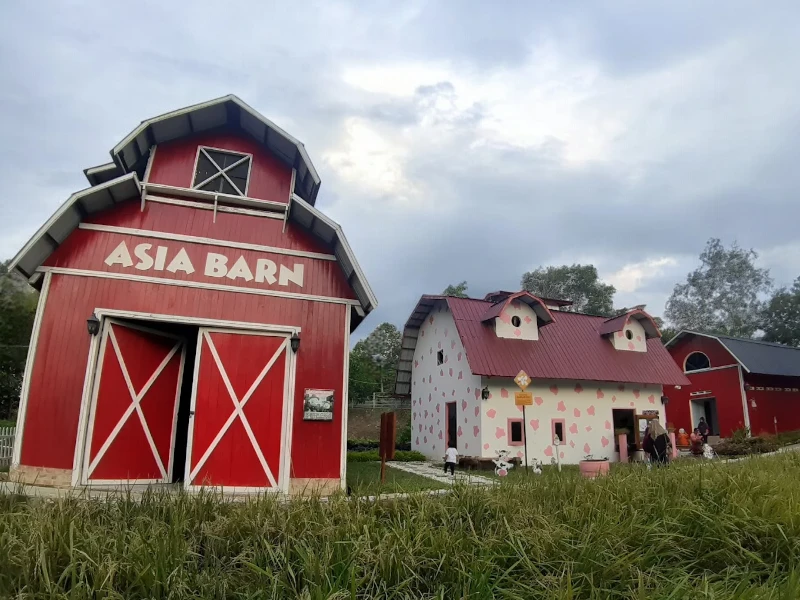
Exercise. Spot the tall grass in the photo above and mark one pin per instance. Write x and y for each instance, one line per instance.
(687, 531)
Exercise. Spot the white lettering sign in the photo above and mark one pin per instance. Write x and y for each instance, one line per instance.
(216, 265)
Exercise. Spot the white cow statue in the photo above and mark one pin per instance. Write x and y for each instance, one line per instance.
(501, 464)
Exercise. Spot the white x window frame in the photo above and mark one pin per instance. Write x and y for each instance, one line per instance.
(136, 399)
(238, 412)
(223, 172)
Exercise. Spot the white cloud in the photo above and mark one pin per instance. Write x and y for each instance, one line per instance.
(633, 276)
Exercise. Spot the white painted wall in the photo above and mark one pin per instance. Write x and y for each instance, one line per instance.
(433, 385)
(638, 341)
(585, 407)
(528, 328)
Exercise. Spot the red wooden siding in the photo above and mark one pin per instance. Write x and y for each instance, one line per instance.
(59, 367)
(771, 404)
(174, 164)
(86, 249)
(718, 356)
(724, 386)
(185, 220)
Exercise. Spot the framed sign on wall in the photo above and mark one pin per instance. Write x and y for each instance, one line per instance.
(318, 405)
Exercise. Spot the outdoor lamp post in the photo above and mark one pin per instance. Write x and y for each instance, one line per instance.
(93, 324)
(379, 360)
(294, 342)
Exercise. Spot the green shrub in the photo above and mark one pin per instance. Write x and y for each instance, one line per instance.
(745, 446)
(404, 435)
(399, 455)
(786, 438)
(740, 435)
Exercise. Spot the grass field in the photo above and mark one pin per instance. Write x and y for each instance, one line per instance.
(364, 480)
(691, 530)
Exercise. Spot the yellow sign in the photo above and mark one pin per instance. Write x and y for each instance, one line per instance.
(522, 380)
(523, 398)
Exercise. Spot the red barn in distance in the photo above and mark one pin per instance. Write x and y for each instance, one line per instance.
(736, 383)
(194, 317)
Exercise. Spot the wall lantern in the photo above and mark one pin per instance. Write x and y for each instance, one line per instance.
(295, 342)
(93, 324)
(485, 393)
(664, 400)
(753, 403)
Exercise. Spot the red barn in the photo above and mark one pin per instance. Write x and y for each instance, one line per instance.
(194, 317)
(736, 383)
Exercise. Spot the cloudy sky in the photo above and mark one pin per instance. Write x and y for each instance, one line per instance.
(455, 140)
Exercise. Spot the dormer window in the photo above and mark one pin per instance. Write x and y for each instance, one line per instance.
(222, 171)
(516, 321)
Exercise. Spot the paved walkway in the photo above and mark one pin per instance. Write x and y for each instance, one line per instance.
(436, 473)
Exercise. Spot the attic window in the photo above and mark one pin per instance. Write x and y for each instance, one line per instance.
(629, 334)
(222, 171)
(516, 321)
(696, 361)
(440, 357)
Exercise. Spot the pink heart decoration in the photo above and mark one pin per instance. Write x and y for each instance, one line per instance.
(477, 393)
(604, 441)
(527, 319)
(416, 441)
(554, 390)
(445, 358)
(416, 364)
(461, 374)
(477, 410)
(475, 430)
(420, 426)
(572, 444)
(613, 398)
(539, 400)
(441, 372)
(440, 435)
(426, 414)
(463, 405)
(517, 332)
(438, 421)
(452, 344)
(578, 388)
(600, 394)
(577, 413)
(586, 448)
(535, 424)
(638, 338)
(590, 410)
(503, 393)
(460, 433)
(620, 334)
(430, 429)
(651, 399)
(459, 357)
(633, 404)
(588, 428)
(562, 455)
(486, 446)
(422, 333)
(440, 345)
(561, 406)
(505, 317)
(608, 425)
(445, 332)
(631, 346)
(520, 454)
(499, 432)
(573, 428)
(430, 319)
(491, 413)
(450, 371)
(636, 394)
(466, 446)
(438, 406)
(548, 451)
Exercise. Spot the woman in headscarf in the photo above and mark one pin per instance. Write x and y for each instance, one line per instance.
(659, 450)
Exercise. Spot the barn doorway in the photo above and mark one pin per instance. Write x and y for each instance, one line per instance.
(451, 431)
(707, 408)
(138, 419)
(623, 418)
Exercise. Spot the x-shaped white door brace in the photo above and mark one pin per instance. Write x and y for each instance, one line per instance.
(238, 410)
(222, 171)
(136, 400)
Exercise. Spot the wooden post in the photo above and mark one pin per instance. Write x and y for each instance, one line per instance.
(387, 440)
(524, 437)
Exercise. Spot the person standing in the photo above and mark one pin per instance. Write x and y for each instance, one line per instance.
(661, 443)
(450, 460)
(704, 429)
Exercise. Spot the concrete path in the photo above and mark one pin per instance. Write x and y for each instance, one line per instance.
(436, 473)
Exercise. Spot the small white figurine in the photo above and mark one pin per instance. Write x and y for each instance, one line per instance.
(536, 466)
(501, 463)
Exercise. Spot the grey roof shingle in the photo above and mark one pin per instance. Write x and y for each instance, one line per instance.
(764, 357)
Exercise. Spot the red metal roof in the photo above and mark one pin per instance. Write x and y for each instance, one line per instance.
(571, 347)
(544, 314)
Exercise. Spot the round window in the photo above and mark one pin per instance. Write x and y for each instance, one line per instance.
(515, 321)
(629, 334)
(696, 361)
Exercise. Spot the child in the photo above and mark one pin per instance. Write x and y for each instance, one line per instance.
(450, 460)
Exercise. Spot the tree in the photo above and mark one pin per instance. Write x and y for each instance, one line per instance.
(781, 317)
(578, 283)
(373, 363)
(723, 294)
(457, 291)
(17, 310)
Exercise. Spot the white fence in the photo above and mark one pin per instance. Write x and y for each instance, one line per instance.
(6, 445)
(381, 402)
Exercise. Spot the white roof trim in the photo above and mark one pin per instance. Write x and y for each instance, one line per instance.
(683, 332)
(62, 210)
(99, 168)
(340, 237)
(131, 137)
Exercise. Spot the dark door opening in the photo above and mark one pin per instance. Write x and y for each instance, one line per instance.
(451, 431)
(623, 418)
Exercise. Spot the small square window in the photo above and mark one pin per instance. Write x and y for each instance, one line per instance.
(558, 429)
(221, 171)
(440, 357)
(516, 432)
